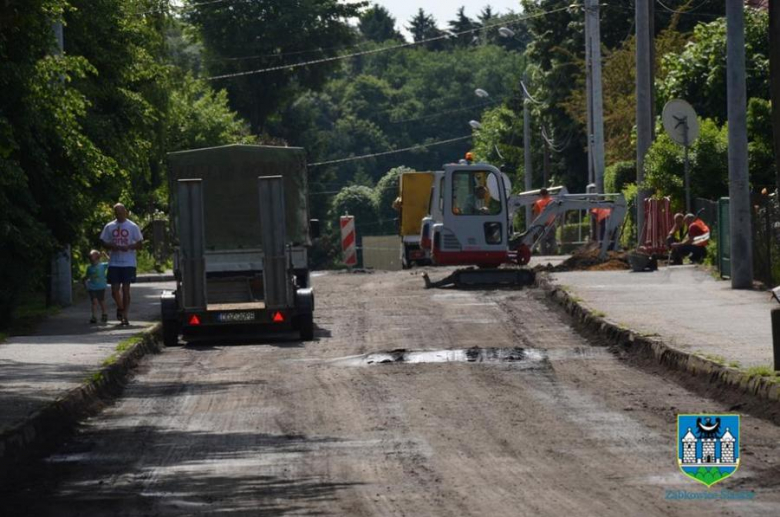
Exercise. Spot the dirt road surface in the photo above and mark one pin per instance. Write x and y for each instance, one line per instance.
(358, 423)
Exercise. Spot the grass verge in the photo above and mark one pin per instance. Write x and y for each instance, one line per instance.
(123, 346)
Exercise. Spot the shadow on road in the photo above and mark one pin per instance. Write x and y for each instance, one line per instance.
(155, 470)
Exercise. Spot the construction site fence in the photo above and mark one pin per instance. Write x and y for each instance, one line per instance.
(765, 233)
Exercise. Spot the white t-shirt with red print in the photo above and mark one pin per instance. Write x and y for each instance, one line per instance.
(125, 233)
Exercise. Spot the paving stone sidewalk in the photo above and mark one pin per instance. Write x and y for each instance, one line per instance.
(686, 307)
(65, 349)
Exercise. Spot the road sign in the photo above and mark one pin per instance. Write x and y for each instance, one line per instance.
(680, 121)
(681, 124)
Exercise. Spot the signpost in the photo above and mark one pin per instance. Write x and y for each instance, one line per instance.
(681, 124)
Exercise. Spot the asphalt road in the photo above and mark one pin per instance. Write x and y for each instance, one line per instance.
(540, 422)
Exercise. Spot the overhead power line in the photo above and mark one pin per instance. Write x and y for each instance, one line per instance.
(384, 153)
(448, 112)
(383, 49)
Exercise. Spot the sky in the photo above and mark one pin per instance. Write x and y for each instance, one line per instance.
(442, 10)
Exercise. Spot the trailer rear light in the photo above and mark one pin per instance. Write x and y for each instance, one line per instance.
(278, 317)
(194, 320)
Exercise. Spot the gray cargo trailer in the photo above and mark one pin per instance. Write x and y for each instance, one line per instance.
(240, 224)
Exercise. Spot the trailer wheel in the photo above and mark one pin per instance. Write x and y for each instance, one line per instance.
(170, 330)
(305, 326)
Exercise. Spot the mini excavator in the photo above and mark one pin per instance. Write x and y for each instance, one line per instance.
(470, 224)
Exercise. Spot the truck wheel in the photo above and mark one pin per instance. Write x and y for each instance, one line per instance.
(305, 326)
(170, 333)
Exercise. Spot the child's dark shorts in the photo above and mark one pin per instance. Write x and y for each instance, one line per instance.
(97, 294)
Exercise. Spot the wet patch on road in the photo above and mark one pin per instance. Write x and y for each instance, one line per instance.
(475, 354)
(527, 357)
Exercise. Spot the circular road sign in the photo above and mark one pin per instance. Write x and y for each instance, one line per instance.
(679, 117)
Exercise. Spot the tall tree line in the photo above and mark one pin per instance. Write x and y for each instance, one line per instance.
(82, 129)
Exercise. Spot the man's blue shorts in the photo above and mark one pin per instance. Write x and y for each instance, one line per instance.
(120, 275)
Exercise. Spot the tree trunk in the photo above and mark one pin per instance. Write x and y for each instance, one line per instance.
(774, 80)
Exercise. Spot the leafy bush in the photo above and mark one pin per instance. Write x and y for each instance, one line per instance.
(385, 192)
(665, 165)
(570, 232)
(356, 200)
(618, 175)
(698, 73)
(760, 150)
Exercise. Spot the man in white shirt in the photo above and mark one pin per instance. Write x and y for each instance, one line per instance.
(122, 238)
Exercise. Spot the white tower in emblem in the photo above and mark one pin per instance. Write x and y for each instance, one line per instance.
(708, 450)
(689, 447)
(727, 447)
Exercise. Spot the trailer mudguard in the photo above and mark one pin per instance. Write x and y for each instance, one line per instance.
(304, 300)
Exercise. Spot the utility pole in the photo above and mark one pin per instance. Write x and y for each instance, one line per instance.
(588, 103)
(545, 161)
(739, 193)
(527, 148)
(59, 36)
(774, 81)
(594, 35)
(644, 104)
(60, 289)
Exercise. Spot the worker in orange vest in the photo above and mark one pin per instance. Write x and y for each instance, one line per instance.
(548, 244)
(601, 215)
(695, 243)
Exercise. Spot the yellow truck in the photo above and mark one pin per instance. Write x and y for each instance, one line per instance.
(414, 194)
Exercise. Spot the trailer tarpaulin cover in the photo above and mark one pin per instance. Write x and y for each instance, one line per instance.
(229, 175)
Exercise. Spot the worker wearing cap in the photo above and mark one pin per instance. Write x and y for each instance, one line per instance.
(695, 243)
(677, 233)
(541, 203)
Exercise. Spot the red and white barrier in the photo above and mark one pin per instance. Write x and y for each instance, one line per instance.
(348, 246)
(658, 223)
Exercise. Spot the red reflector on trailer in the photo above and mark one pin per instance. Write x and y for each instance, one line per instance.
(194, 320)
(278, 317)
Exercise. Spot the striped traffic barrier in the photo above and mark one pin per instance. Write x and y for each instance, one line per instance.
(348, 240)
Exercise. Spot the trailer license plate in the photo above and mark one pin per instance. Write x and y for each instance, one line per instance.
(227, 317)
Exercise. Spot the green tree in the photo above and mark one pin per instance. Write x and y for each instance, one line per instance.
(664, 165)
(760, 146)
(47, 164)
(127, 93)
(356, 200)
(698, 73)
(423, 26)
(262, 31)
(200, 117)
(376, 24)
(385, 193)
(463, 23)
(618, 175)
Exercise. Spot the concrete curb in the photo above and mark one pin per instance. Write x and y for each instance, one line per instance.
(154, 277)
(652, 348)
(44, 428)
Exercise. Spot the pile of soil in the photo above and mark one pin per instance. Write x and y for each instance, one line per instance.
(587, 258)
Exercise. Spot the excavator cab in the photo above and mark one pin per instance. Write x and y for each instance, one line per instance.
(469, 223)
